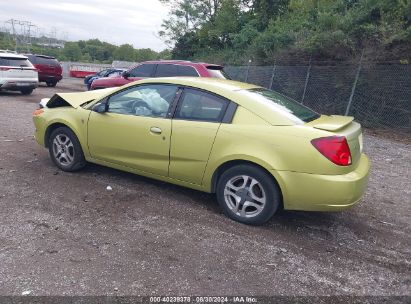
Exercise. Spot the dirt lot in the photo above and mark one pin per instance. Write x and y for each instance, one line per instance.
(64, 234)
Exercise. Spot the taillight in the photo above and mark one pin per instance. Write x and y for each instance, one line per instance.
(4, 69)
(335, 148)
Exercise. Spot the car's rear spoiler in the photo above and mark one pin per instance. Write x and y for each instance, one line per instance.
(331, 122)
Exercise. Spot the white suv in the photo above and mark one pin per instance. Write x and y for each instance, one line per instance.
(17, 73)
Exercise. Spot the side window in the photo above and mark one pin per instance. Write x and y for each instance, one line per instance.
(173, 70)
(166, 70)
(187, 71)
(145, 100)
(113, 74)
(144, 70)
(199, 105)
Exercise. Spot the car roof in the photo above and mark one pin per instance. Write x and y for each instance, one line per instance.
(206, 83)
(41, 56)
(180, 62)
(12, 55)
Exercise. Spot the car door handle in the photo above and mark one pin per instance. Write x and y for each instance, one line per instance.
(155, 130)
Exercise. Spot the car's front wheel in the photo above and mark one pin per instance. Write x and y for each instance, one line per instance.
(65, 150)
(248, 194)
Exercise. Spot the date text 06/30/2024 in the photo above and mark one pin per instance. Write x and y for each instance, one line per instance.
(203, 299)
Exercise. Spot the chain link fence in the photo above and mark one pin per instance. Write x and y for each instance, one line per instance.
(378, 96)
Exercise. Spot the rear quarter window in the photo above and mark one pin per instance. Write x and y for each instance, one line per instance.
(282, 103)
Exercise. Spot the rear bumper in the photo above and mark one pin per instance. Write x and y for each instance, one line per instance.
(18, 85)
(314, 192)
(46, 78)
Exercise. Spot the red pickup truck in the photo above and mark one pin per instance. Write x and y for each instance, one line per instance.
(161, 68)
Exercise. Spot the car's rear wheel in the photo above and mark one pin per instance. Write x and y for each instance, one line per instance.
(26, 91)
(51, 83)
(65, 150)
(248, 194)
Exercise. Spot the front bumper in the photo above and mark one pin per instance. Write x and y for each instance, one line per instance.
(39, 134)
(314, 192)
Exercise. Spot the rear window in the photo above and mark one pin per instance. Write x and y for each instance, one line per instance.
(284, 103)
(217, 72)
(15, 62)
(46, 61)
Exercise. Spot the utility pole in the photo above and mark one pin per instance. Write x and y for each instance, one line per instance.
(21, 31)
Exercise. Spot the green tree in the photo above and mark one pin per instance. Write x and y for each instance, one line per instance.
(186, 16)
(145, 54)
(124, 52)
(72, 51)
(266, 29)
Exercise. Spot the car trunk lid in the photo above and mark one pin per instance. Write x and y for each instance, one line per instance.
(342, 126)
(16, 67)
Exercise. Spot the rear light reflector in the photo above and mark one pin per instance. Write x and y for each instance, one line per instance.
(335, 148)
(4, 69)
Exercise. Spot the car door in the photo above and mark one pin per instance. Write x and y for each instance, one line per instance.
(195, 124)
(135, 130)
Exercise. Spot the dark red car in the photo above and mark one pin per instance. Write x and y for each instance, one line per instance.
(161, 68)
(49, 69)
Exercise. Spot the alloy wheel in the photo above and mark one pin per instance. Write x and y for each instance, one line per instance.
(245, 196)
(63, 150)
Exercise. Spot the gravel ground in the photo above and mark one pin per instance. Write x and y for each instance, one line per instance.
(64, 234)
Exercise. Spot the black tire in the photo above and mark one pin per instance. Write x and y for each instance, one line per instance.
(26, 91)
(51, 83)
(75, 158)
(262, 183)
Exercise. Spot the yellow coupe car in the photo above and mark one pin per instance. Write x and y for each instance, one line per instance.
(256, 149)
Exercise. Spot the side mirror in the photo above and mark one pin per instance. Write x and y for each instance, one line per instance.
(101, 107)
(126, 74)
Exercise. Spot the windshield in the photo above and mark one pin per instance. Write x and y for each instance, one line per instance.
(217, 72)
(284, 103)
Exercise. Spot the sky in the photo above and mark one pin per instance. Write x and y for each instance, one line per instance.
(136, 22)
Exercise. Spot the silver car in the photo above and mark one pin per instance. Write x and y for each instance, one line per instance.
(17, 73)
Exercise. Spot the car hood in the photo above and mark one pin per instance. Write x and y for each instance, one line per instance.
(75, 99)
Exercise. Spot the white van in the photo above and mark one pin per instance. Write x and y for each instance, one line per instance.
(17, 73)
